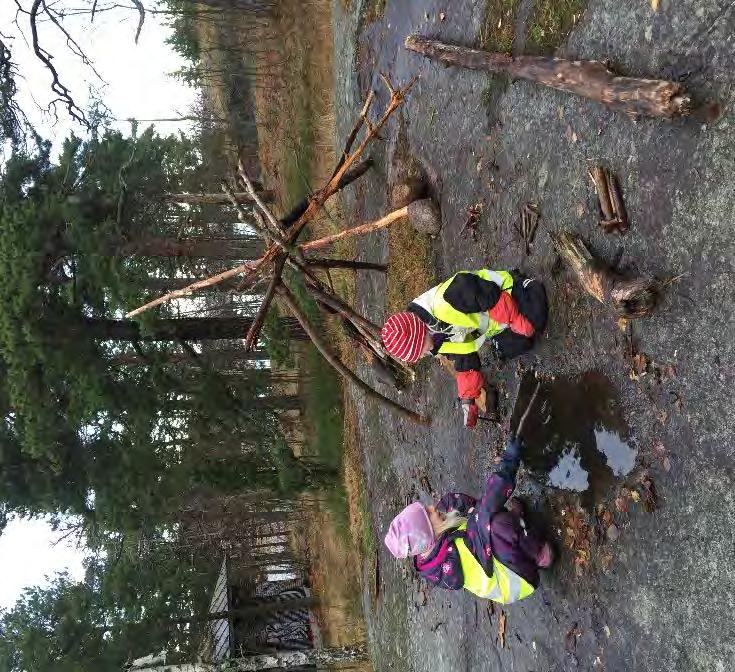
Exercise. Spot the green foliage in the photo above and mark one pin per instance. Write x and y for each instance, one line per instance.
(139, 595)
(73, 424)
(184, 39)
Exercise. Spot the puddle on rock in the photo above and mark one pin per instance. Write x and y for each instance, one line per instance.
(576, 437)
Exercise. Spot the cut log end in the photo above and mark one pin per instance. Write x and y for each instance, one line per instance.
(628, 298)
(634, 298)
(425, 216)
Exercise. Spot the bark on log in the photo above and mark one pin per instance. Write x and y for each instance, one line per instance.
(599, 178)
(628, 298)
(589, 79)
(616, 199)
(327, 353)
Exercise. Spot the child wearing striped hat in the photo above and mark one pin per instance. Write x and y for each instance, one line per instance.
(455, 318)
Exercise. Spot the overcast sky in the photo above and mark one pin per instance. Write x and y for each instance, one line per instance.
(138, 86)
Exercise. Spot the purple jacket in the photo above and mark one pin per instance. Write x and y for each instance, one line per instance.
(491, 531)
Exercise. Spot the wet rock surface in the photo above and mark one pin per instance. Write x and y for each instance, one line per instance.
(656, 593)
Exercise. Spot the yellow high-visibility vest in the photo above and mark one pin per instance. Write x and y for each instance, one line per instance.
(467, 331)
(504, 586)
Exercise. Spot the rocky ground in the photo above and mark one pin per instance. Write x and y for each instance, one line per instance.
(654, 594)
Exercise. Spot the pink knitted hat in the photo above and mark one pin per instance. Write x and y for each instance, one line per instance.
(403, 336)
(410, 532)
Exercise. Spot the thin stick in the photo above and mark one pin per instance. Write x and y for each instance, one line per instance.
(242, 215)
(325, 351)
(355, 130)
(255, 327)
(269, 216)
(522, 421)
(347, 264)
(251, 267)
(381, 223)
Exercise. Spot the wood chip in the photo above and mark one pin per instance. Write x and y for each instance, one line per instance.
(501, 629)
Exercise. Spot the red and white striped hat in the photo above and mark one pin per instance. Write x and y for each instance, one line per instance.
(403, 336)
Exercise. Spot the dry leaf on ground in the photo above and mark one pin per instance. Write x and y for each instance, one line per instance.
(654, 5)
(501, 629)
(639, 366)
(570, 639)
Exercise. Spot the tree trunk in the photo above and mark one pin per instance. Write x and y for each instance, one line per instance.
(589, 79)
(185, 329)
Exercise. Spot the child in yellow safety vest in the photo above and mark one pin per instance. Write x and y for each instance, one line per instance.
(455, 318)
(476, 545)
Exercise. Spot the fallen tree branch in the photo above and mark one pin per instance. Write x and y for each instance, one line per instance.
(326, 352)
(252, 268)
(250, 189)
(589, 79)
(348, 178)
(355, 130)
(632, 298)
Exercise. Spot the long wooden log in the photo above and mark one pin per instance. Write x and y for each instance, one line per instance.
(326, 352)
(589, 79)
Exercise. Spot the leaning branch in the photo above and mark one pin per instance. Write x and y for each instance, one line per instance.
(326, 352)
(381, 223)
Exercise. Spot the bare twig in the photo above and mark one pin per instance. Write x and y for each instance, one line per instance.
(141, 10)
(522, 421)
(75, 112)
(251, 268)
(355, 130)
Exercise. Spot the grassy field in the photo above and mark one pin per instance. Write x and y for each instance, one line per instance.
(296, 139)
(547, 27)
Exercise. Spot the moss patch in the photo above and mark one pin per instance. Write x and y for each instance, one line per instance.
(374, 10)
(550, 24)
(410, 265)
(498, 27)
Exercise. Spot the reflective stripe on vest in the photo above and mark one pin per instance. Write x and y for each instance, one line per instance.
(504, 586)
(462, 326)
